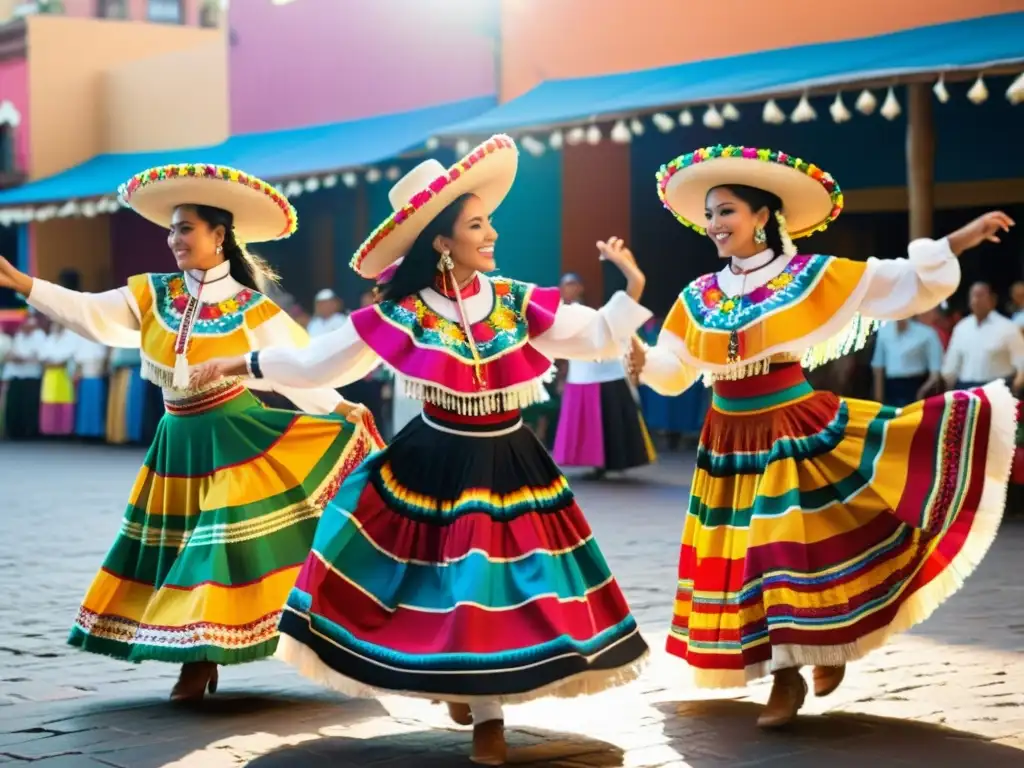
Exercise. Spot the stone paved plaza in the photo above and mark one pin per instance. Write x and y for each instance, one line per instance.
(949, 694)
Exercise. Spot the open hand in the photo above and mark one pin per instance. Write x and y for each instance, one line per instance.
(984, 228)
(206, 373)
(13, 278)
(636, 359)
(615, 251)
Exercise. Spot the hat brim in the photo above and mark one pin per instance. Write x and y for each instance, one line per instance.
(811, 199)
(260, 212)
(487, 172)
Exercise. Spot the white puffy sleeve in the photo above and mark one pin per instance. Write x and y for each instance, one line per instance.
(332, 360)
(582, 333)
(902, 288)
(111, 318)
(664, 371)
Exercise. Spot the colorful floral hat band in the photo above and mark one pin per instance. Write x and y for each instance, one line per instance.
(496, 143)
(768, 156)
(214, 173)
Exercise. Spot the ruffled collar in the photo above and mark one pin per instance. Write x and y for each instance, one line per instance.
(216, 284)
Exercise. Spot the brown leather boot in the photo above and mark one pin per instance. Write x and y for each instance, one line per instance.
(194, 680)
(827, 679)
(788, 694)
(460, 713)
(489, 747)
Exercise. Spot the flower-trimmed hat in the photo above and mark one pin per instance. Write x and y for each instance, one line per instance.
(419, 196)
(811, 198)
(260, 211)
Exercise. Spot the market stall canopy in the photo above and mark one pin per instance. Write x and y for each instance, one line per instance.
(970, 45)
(273, 155)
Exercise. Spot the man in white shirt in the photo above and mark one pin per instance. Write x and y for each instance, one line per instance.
(985, 345)
(907, 362)
(328, 315)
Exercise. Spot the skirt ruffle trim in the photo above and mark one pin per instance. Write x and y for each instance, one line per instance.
(136, 653)
(588, 683)
(924, 602)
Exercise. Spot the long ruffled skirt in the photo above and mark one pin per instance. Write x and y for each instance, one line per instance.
(221, 517)
(456, 565)
(820, 526)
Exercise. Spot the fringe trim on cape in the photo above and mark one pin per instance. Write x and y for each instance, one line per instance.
(478, 404)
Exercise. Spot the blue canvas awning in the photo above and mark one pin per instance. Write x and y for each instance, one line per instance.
(974, 44)
(272, 155)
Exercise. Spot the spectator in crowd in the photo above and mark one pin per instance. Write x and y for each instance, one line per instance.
(327, 314)
(126, 397)
(907, 362)
(985, 345)
(90, 364)
(57, 411)
(1016, 305)
(23, 373)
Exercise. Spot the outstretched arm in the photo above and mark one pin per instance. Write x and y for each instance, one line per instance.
(902, 288)
(660, 367)
(110, 318)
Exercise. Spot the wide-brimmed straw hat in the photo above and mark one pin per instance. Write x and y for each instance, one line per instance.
(259, 210)
(419, 196)
(811, 198)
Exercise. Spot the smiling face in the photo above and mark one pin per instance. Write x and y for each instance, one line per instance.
(471, 244)
(192, 241)
(731, 223)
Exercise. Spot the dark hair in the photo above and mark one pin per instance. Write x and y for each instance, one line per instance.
(419, 267)
(247, 268)
(758, 199)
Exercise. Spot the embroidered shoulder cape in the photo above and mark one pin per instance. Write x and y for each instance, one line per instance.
(434, 357)
(808, 312)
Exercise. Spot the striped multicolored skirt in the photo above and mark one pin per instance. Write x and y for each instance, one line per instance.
(820, 526)
(220, 519)
(456, 565)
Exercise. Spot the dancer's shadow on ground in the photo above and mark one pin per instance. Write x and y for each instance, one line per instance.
(716, 733)
(443, 748)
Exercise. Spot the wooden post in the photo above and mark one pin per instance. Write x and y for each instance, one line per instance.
(920, 159)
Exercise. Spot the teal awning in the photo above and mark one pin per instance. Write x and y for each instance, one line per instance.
(973, 44)
(272, 155)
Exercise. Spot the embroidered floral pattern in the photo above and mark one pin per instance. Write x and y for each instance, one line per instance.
(504, 328)
(713, 310)
(671, 168)
(421, 198)
(171, 302)
(212, 172)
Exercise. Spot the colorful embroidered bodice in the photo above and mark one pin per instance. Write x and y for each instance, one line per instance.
(433, 354)
(803, 313)
(220, 330)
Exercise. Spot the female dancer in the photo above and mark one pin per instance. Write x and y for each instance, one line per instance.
(818, 526)
(456, 565)
(224, 508)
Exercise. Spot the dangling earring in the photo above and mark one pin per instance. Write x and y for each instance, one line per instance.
(760, 236)
(445, 262)
(220, 249)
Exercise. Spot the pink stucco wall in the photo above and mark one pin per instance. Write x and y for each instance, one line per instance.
(323, 61)
(14, 88)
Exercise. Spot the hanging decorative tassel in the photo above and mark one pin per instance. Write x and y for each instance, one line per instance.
(939, 89)
(891, 106)
(979, 91)
(686, 118)
(593, 135)
(576, 135)
(181, 374)
(1015, 93)
(636, 126)
(620, 133)
(729, 112)
(838, 110)
(866, 102)
(804, 112)
(773, 113)
(713, 118)
(663, 122)
(556, 140)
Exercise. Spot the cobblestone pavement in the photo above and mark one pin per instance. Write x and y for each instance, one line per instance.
(949, 694)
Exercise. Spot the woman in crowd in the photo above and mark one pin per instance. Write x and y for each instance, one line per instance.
(57, 397)
(223, 510)
(818, 526)
(23, 374)
(455, 564)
